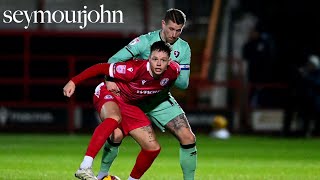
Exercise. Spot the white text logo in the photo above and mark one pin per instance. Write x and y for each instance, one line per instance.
(82, 17)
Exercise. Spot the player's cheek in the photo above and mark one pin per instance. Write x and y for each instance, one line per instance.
(171, 33)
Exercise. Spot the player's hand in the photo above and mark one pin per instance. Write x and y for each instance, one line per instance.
(69, 89)
(112, 87)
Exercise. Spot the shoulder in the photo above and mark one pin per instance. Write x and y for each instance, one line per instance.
(136, 63)
(130, 67)
(139, 61)
(181, 52)
(181, 47)
(150, 36)
(142, 39)
(152, 33)
(183, 43)
(174, 66)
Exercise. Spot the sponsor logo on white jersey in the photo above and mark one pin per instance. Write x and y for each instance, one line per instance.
(164, 81)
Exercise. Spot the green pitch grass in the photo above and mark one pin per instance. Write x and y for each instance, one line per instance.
(56, 157)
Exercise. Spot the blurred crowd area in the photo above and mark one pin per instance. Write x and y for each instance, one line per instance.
(265, 57)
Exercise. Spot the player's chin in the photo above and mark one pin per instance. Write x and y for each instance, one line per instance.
(172, 40)
(158, 72)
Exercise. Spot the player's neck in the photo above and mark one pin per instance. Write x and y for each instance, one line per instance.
(162, 36)
(155, 76)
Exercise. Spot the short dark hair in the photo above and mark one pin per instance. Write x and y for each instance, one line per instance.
(161, 46)
(176, 16)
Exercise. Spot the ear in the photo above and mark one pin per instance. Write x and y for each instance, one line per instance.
(163, 24)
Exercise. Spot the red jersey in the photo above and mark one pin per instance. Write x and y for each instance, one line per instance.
(133, 78)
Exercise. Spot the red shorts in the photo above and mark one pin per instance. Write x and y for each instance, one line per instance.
(132, 116)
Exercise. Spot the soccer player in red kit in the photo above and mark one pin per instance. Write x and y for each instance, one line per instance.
(137, 79)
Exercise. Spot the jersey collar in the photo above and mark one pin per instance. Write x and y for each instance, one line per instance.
(160, 35)
(149, 68)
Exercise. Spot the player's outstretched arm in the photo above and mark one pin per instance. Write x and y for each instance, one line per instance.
(97, 69)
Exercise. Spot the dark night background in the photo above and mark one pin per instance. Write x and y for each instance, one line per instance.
(294, 26)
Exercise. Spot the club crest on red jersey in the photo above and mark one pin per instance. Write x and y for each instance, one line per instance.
(108, 97)
(176, 53)
(164, 81)
(121, 69)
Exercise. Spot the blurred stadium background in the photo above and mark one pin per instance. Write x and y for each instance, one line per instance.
(36, 63)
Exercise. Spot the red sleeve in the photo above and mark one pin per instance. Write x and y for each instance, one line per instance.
(175, 66)
(98, 69)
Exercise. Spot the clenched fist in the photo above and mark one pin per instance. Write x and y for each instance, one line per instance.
(69, 89)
